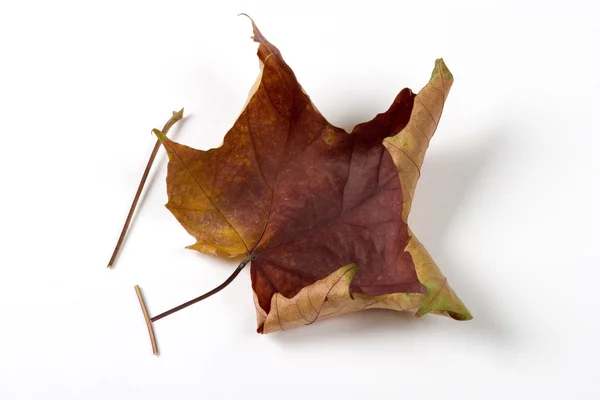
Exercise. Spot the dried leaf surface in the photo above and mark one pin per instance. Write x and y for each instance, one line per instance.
(322, 213)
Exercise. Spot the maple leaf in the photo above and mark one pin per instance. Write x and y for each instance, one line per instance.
(321, 214)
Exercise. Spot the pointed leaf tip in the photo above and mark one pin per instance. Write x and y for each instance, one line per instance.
(254, 28)
(441, 299)
(441, 73)
(247, 16)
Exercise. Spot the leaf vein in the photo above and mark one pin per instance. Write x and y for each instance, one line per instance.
(166, 143)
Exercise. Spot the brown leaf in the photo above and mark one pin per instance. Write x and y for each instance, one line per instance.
(302, 198)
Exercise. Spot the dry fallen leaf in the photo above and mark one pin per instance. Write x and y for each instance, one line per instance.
(320, 214)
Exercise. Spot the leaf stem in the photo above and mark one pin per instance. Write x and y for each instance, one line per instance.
(176, 117)
(205, 295)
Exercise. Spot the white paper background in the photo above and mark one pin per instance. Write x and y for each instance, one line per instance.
(507, 203)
